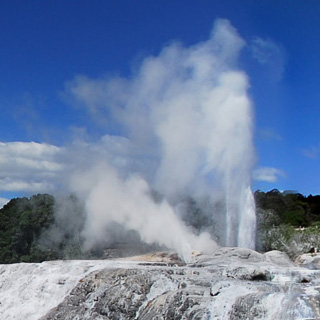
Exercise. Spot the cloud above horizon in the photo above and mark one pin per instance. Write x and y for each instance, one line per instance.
(269, 55)
(269, 134)
(267, 174)
(312, 152)
(29, 166)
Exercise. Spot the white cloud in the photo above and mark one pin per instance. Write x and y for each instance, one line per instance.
(270, 134)
(33, 167)
(3, 201)
(29, 166)
(312, 152)
(28, 185)
(271, 55)
(268, 174)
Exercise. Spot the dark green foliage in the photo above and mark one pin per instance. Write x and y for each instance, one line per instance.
(287, 221)
(313, 203)
(291, 208)
(21, 223)
(41, 228)
(64, 235)
(272, 200)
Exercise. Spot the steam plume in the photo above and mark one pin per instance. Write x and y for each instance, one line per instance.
(187, 120)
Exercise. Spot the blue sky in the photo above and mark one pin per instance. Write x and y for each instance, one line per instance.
(46, 45)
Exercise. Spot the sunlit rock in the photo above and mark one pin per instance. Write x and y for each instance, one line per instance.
(232, 283)
(309, 260)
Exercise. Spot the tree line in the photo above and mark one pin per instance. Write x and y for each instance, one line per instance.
(289, 207)
(287, 221)
(31, 230)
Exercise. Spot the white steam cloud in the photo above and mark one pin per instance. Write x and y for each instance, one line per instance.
(187, 120)
(127, 202)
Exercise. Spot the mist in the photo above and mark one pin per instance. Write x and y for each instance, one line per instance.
(184, 130)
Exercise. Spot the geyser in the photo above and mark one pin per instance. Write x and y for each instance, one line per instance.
(185, 124)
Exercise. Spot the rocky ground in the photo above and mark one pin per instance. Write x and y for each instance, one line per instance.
(232, 283)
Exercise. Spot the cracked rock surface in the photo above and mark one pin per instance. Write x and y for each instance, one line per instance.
(232, 283)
